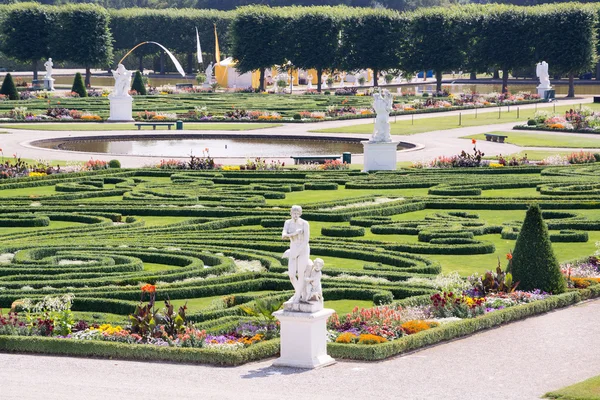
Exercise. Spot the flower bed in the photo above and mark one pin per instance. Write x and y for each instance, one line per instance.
(583, 120)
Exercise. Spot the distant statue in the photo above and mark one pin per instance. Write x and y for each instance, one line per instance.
(324, 78)
(541, 70)
(312, 287)
(342, 77)
(48, 64)
(297, 231)
(382, 104)
(209, 72)
(122, 81)
(309, 81)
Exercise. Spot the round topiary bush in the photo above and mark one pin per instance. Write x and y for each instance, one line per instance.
(79, 86)
(532, 122)
(343, 231)
(138, 84)
(297, 117)
(534, 264)
(9, 89)
(114, 164)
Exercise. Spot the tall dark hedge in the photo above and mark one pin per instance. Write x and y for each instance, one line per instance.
(9, 89)
(79, 86)
(534, 264)
(138, 84)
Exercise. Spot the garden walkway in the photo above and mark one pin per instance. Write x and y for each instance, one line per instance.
(431, 144)
(522, 360)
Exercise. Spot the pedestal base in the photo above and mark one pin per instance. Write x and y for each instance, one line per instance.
(49, 83)
(120, 108)
(542, 91)
(380, 156)
(303, 339)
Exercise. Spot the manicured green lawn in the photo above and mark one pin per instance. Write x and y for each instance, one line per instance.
(188, 126)
(53, 225)
(527, 139)
(431, 123)
(586, 390)
(343, 307)
(318, 196)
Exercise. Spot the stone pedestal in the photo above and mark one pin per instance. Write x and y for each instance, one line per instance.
(49, 83)
(379, 156)
(303, 339)
(120, 108)
(542, 90)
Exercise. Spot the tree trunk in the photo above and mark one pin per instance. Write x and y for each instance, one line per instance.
(190, 63)
(438, 81)
(162, 62)
(35, 67)
(261, 83)
(141, 63)
(473, 76)
(505, 80)
(319, 83)
(496, 74)
(598, 71)
(571, 85)
(375, 77)
(88, 76)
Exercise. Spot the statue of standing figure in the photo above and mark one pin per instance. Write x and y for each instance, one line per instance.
(297, 231)
(209, 73)
(541, 70)
(48, 64)
(309, 81)
(122, 81)
(382, 104)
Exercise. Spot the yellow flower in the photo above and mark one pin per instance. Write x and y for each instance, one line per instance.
(496, 165)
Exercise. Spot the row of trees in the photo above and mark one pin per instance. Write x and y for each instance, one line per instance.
(471, 38)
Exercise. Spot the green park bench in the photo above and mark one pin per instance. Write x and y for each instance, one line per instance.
(495, 138)
(154, 124)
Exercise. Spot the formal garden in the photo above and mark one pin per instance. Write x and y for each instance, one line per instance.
(186, 264)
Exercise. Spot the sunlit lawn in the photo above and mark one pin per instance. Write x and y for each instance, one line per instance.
(586, 390)
(187, 126)
(528, 139)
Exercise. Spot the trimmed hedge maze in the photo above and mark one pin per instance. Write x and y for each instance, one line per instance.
(213, 238)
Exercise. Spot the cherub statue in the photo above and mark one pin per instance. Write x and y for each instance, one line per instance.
(312, 286)
(122, 81)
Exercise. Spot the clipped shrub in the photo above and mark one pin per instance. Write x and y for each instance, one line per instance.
(79, 86)
(534, 264)
(114, 164)
(343, 231)
(138, 84)
(297, 117)
(8, 88)
(532, 122)
(320, 186)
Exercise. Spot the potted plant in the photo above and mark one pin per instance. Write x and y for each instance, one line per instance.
(200, 78)
(388, 78)
(330, 81)
(361, 80)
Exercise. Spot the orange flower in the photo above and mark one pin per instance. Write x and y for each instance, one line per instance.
(473, 141)
(509, 256)
(148, 288)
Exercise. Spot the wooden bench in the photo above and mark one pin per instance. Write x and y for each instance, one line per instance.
(313, 159)
(495, 138)
(184, 85)
(154, 124)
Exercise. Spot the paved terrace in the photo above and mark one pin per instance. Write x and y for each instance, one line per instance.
(429, 144)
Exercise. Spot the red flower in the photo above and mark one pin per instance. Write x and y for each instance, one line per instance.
(509, 256)
(473, 141)
(148, 288)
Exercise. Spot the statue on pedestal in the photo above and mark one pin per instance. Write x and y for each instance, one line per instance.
(309, 82)
(122, 81)
(382, 104)
(312, 286)
(209, 73)
(297, 231)
(541, 70)
(48, 64)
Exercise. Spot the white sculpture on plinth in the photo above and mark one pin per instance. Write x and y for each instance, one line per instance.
(382, 104)
(121, 102)
(309, 81)
(312, 281)
(122, 81)
(297, 231)
(541, 70)
(48, 64)
(209, 73)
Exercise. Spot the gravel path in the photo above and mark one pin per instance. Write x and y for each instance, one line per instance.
(429, 144)
(522, 360)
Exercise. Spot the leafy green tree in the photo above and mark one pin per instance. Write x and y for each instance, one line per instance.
(138, 84)
(78, 85)
(373, 39)
(25, 33)
(566, 39)
(436, 42)
(83, 37)
(8, 88)
(534, 264)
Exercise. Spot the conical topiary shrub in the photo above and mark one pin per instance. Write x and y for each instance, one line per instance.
(79, 86)
(138, 84)
(534, 264)
(9, 89)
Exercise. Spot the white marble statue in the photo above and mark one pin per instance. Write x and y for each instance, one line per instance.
(309, 83)
(312, 286)
(48, 64)
(297, 231)
(209, 73)
(382, 103)
(122, 81)
(541, 70)
(324, 78)
(342, 78)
